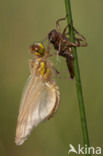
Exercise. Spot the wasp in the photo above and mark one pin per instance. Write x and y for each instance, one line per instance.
(41, 96)
(63, 45)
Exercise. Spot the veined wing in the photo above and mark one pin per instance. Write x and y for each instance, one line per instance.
(40, 101)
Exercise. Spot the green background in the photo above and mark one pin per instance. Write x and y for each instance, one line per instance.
(22, 23)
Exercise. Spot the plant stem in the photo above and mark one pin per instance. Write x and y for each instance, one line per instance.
(77, 76)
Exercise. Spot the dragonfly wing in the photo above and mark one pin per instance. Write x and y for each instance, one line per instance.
(40, 99)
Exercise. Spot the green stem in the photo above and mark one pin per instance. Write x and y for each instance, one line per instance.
(77, 77)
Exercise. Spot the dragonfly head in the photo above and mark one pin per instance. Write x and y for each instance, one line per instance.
(37, 49)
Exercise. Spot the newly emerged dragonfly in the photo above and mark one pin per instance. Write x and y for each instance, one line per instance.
(63, 45)
(41, 97)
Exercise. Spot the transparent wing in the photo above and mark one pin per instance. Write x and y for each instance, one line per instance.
(39, 100)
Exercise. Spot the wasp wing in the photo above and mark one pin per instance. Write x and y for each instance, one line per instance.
(39, 100)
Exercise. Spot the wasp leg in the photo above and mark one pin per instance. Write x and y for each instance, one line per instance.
(80, 42)
(80, 39)
(69, 43)
(58, 23)
(77, 43)
(65, 29)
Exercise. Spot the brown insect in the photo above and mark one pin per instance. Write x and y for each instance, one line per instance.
(61, 42)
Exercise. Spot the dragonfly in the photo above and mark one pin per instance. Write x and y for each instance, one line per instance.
(62, 44)
(41, 96)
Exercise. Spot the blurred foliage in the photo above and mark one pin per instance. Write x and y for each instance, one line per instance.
(22, 23)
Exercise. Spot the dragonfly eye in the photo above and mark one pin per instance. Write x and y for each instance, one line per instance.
(37, 49)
